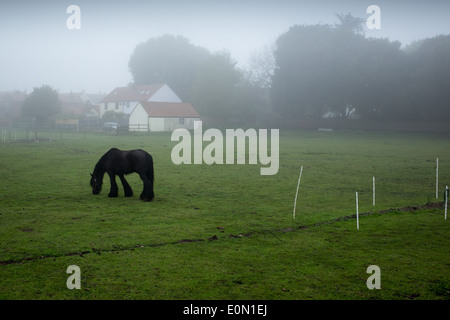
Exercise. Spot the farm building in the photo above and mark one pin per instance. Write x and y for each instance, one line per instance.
(125, 99)
(162, 116)
(150, 108)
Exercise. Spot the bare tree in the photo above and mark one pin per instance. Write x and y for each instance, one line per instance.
(262, 66)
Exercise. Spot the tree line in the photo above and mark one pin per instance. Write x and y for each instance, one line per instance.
(310, 72)
(333, 70)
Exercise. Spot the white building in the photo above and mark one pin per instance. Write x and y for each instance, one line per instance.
(162, 116)
(125, 99)
(150, 108)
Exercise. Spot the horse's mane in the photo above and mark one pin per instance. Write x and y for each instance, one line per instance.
(100, 166)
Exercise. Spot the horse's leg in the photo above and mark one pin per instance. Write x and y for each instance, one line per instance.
(126, 187)
(114, 192)
(147, 194)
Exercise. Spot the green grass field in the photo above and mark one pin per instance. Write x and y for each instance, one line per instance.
(225, 231)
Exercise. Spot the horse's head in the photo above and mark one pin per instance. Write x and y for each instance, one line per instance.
(96, 184)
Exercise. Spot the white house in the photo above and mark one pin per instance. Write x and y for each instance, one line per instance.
(150, 108)
(125, 99)
(162, 116)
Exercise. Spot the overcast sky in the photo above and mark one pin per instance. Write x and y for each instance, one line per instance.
(38, 48)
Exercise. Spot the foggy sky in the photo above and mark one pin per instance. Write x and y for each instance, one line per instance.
(37, 47)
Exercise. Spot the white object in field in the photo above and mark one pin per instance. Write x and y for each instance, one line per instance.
(296, 194)
(374, 191)
(446, 200)
(437, 176)
(357, 213)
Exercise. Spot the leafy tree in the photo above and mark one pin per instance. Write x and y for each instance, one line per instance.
(350, 23)
(324, 68)
(428, 93)
(207, 80)
(214, 91)
(39, 105)
(379, 72)
(304, 66)
(168, 59)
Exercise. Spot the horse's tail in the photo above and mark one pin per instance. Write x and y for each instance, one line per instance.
(150, 171)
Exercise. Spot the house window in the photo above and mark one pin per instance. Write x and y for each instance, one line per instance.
(117, 106)
(106, 106)
(181, 120)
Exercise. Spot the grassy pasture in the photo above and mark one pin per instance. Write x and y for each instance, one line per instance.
(225, 231)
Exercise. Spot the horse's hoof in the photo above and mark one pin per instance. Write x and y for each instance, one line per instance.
(147, 197)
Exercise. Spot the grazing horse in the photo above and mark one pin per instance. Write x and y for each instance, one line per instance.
(118, 162)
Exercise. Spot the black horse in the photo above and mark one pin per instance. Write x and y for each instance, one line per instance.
(120, 162)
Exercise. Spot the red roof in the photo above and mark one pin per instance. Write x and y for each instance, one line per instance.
(133, 93)
(72, 97)
(170, 109)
